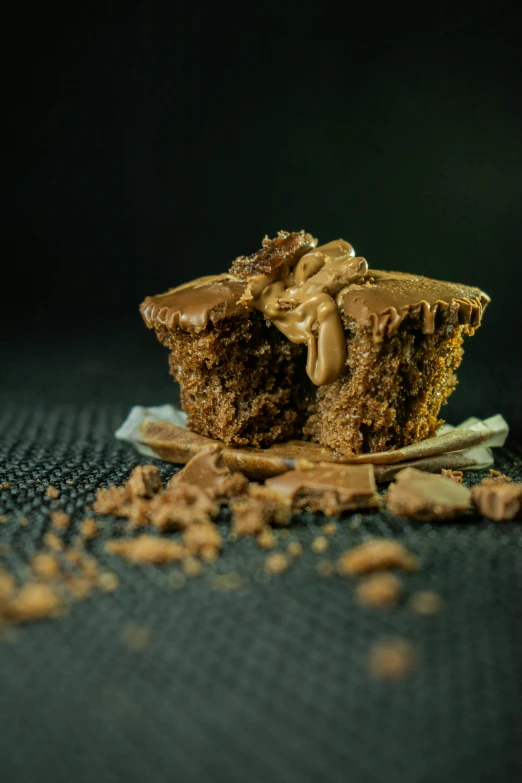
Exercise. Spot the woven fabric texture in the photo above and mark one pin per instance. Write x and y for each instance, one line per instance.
(267, 682)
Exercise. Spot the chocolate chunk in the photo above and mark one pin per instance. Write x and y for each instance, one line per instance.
(207, 471)
(498, 500)
(426, 496)
(331, 489)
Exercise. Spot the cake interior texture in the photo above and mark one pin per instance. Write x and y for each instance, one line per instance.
(299, 342)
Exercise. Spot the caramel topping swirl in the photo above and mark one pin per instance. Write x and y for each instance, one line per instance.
(302, 303)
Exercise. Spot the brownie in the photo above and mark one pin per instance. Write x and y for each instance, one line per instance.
(299, 340)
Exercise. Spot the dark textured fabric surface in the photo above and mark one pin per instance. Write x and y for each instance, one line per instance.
(264, 683)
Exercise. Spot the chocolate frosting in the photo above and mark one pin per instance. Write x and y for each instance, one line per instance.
(304, 290)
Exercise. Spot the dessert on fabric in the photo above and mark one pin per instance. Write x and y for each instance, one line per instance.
(300, 340)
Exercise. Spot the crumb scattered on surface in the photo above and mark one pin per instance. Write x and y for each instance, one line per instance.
(6, 485)
(68, 481)
(294, 549)
(392, 659)
(23, 521)
(276, 563)
(46, 565)
(108, 581)
(112, 501)
(203, 538)
(227, 582)
(191, 566)
(144, 482)
(379, 590)
(146, 549)
(53, 541)
(60, 520)
(4, 519)
(330, 529)
(181, 506)
(496, 474)
(266, 539)
(426, 602)
(88, 528)
(136, 637)
(34, 601)
(377, 554)
(319, 544)
(52, 492)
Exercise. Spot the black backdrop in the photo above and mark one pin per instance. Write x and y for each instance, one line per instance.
(153, 142)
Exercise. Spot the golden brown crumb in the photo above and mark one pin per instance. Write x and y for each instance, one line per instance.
(277, 508)
(202, 536)
(52, 492)
(266, 539)
(294, 549)
(319, 544)
(113, 500)
(454, 475)
(392, 659)
(146, 549)
(377, 554)
(276, 563)
(108, 581)
(330, 529)
(325, 568)
(496, 475)
(191, 567)
(89, 566)
(34, 601)
(144, 482)
(23, 521)
(248, 516)
(46, 565)
(53, 541)
(74, 557)
(379, 590)
(181, 506)
(136, 637)
(209, 554)
(68, 481)
(426, 602)
(88, 528)
(138, 512)
(60, 520)
(4, 519)
(7, 485)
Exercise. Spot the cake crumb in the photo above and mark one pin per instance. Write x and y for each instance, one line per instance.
(69, 482)
(108, 581)
(325, 568)
(379, 590)
(276, 563)
(7, 586)
(319, 544)
(52, 492)
(4, 519)
(392, 659)
(146, 549)
(294, 549)
(144, 482)
(454, 475)
(203, 537)
(181, 506)
(80, 587)
(136, 637)
(60, 520)
(34, 601)
(266, 539)
(113, 501)
(191, 567)
(53, 541)
(330, 529)
(426, 602)
(6, 485)
(45, 565)
(88, 528)
(496, 474)
(23, 521)
(377, 554)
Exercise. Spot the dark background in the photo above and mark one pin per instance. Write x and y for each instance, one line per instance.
(154, 142)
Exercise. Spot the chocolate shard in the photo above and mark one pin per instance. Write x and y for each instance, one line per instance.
(498, 500)
(207, 471)
(426, 496)
(331, 489)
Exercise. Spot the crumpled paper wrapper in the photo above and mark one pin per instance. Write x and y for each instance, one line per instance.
(161, 432)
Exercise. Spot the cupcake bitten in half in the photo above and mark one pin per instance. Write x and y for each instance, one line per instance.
(305, 341)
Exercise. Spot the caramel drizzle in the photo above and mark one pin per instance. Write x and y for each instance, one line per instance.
(303, 304)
